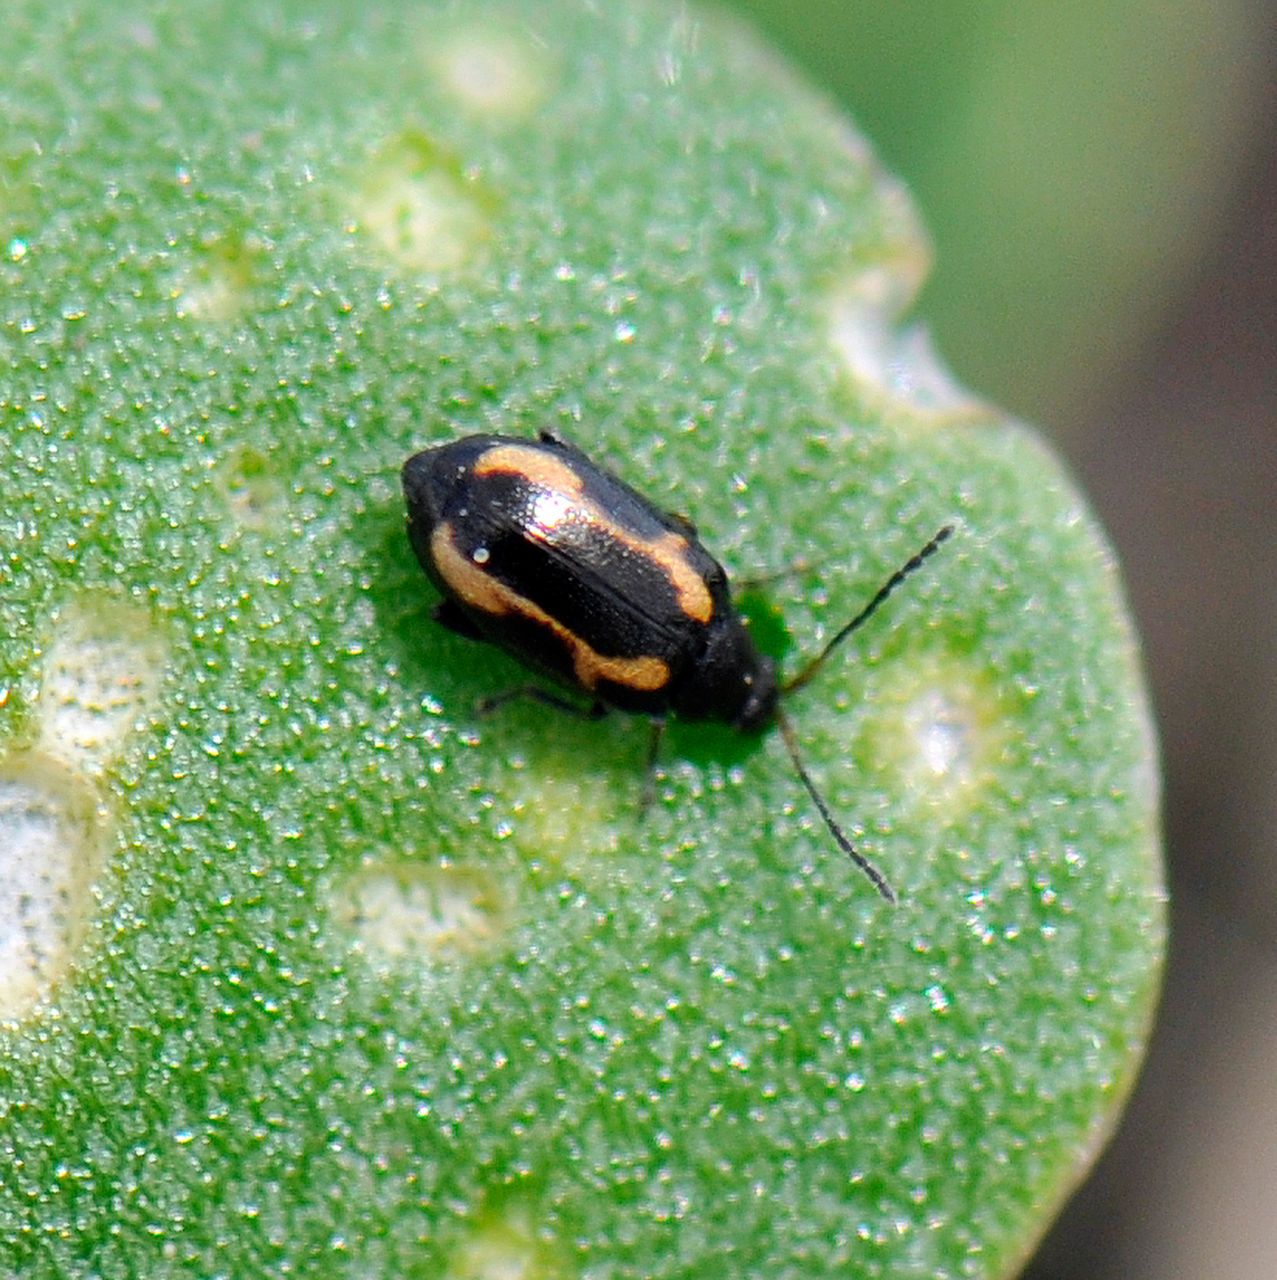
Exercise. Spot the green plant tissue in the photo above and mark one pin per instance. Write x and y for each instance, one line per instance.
(309, 970)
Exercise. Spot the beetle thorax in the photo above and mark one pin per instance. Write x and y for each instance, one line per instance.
(731, 682)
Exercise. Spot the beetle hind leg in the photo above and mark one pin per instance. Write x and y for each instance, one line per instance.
(653, 754)
(595, 711)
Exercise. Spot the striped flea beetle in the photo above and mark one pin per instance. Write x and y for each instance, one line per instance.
(540, 551)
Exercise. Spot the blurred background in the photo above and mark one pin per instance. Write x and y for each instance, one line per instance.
(1098, 178)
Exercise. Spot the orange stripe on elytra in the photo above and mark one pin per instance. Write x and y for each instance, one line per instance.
(552, 474)
(481, 591)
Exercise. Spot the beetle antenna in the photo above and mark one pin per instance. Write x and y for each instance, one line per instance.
(914, 562)
(791, 743)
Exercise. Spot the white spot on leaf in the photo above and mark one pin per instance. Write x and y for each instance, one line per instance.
(420, 208)
(396, 913)
(937, 727)
(503, 1248)
(101, 675)
(491, 72)
(47, 864)
(898, 364)
(217, 282)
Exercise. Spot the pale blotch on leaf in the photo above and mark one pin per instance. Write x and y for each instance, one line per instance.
(100, 677)
(492, 73)
(217, 283)
(891, 365)
(254, 494)
(503, 1248)
(420, 207)
(398, 913)
(937, 727)
(563, 816)
(48, 858)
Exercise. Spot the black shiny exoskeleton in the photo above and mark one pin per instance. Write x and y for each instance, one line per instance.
(538, 550)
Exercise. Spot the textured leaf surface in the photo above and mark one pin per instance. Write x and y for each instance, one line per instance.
(305, 968)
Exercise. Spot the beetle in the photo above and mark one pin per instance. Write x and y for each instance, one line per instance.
(540, 551)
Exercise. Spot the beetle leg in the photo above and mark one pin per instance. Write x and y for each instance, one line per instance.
(550, 436)
(653, 752)
(595, 711)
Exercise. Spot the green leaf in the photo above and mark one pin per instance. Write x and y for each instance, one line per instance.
(309, 970)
